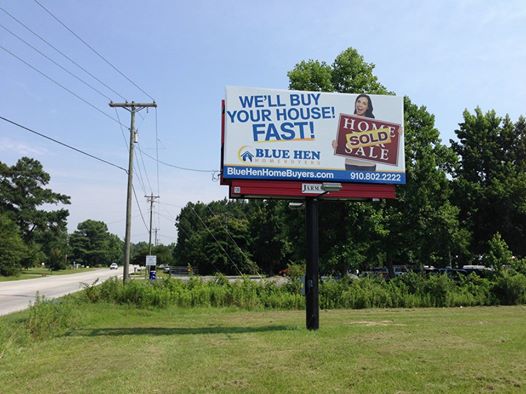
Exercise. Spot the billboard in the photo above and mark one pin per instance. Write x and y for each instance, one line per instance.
(292, 135)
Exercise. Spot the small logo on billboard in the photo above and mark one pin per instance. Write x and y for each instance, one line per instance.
(246, 154)
(311, 188)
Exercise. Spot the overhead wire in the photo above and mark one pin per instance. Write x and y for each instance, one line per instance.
(62, 53)
(140, 210)
(63, 144)
(92, 49)
(140, 177)
(60, 85)
(179, 167)
(232, 238)
(144, 166)
(55, 62)
(217, 242)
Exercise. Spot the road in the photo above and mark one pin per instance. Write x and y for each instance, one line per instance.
(16, 295)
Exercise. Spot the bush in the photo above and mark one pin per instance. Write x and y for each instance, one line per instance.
(407, 291)
(510, 288)
(50, 318)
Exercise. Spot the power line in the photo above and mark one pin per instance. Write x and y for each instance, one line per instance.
(140, 211)
(60, 85)
(62, 53)
(141, 181)
(144, 166)
(92, 49)
(55, 63)
(230, 236)
(180, 168)
(62, 143)
(217, 242)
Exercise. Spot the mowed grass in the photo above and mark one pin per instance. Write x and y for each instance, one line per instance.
(119, 349)
(32, 273)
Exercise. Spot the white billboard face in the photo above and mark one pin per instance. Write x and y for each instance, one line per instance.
(313, 136)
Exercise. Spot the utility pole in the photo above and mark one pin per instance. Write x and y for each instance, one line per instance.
(151, 198)
(133, 108)
(156, 239)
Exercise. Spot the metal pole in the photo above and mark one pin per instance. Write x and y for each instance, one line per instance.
(312, 269)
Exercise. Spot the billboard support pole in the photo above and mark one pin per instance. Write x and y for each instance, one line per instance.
(312, 268)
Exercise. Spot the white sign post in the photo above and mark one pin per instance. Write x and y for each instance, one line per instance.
(151, 261)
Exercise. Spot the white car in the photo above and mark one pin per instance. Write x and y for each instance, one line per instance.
(114, 266)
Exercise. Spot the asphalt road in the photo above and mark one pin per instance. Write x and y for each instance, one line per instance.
(16, 295)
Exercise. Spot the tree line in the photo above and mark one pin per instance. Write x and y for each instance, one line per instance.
(31, 235)
(463, 204)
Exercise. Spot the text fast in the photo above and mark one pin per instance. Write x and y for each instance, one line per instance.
(285, 131)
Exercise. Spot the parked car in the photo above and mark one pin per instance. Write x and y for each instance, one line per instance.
(400, 270)
(377, 272)
(113, 266)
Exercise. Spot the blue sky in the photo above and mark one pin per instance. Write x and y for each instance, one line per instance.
(445, 55)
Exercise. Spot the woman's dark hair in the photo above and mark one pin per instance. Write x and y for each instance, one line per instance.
(369, 112)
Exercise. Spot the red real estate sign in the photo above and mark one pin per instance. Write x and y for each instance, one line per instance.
(368, 139)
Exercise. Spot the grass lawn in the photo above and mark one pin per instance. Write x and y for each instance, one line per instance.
(118, 349)
(32, 273)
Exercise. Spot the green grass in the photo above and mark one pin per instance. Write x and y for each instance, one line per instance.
(32, 273)
(120, 349)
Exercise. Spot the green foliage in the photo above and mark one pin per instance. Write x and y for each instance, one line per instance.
(311, 75)
(407, 291)
(215, 237)
(22, 192)
(489, 179)
(92, 244)
(12, 248)
(164, 254)
(48, 318)
(510, 288)
(498, 255)
(42, 231)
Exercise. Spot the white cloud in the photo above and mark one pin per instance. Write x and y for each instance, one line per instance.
(20, 148)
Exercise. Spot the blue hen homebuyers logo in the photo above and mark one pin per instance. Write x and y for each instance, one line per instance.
(248, 154)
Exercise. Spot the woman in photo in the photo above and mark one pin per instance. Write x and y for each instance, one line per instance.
(363, 106)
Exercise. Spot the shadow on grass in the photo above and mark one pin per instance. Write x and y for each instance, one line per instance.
(179, 330)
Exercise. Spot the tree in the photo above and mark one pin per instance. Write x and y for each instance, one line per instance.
(215, 237)
(22, 192)
(164, 254)
(498, 255)
(489, 179)
(22, 195)
(12, 248)
(422, 224)
(92, 244)
(267, 228)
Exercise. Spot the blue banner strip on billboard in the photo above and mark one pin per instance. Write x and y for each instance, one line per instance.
(299, 174)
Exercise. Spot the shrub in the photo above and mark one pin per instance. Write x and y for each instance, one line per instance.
(407, 291)
(50, 318)
(510, 288)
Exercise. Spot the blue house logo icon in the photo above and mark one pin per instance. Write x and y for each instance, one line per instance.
(247, 156)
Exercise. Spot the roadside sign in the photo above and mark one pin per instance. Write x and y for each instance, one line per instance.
(151, 261)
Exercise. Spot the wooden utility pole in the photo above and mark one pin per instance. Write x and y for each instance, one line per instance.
(133, 108)
(151, 198)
